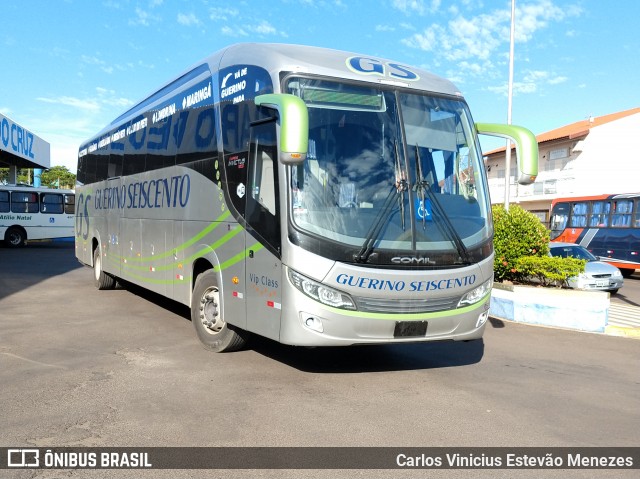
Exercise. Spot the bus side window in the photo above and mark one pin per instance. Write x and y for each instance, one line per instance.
(69, 204)
(600, 213)
(621, 217)
(4, 202)
(263, 185)
(262, 211)
(51, 203)
(24, 202)
(579, 215)
(559, 217)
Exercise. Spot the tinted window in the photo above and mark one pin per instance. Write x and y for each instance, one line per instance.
(51, 203)
(22, 202)
(69, 204)
(262, 208)
(4, 202)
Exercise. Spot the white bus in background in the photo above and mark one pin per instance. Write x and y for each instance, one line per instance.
(315, 197)
(29, 213)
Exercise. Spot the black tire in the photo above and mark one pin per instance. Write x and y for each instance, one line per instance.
(627, 272)
(214, 333)
(15, 237)
(101, 279)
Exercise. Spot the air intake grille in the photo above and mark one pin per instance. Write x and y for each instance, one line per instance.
(384, 305)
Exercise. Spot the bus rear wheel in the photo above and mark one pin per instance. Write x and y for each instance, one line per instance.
(101, 279)
(214, 332)
(15, 237)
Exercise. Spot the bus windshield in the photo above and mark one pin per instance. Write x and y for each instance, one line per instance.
(390, 170)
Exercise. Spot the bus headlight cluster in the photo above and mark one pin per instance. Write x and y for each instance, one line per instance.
(476, 294)
(320, 292)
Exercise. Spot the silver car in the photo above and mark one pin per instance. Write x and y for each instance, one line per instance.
(597, 275)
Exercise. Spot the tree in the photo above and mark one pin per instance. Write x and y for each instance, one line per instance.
(517, 233)
(521, 245)
(58, 177)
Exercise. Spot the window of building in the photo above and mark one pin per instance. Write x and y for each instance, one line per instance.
(558, 153)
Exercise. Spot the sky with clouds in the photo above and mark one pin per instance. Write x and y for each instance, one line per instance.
(69, 67)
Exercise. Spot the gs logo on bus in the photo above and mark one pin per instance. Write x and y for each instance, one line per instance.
(82, 216)
(372, 66)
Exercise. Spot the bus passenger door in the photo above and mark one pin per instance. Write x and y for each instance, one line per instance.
(262, 213)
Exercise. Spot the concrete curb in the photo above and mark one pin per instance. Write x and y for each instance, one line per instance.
(622, 331)
(568, 309)
(565, 309)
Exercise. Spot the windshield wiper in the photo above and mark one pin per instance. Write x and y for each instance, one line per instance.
(442, 222)
(397, 191)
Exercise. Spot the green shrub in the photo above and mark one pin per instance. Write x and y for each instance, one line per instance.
(548, 271)
(518, 233)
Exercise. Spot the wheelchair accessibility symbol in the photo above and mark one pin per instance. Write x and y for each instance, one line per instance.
(423, 210)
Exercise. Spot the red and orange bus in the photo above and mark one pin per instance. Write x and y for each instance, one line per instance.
(607, 225)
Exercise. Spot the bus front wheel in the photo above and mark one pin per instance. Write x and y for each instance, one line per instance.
(101, 279)
(214, 333)
(15, 237)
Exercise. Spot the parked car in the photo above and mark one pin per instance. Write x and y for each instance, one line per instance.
(597, 275)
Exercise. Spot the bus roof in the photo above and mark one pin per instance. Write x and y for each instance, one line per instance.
(279, 57)
(600, 197)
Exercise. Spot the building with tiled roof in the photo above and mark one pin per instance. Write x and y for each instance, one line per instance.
(598, 155)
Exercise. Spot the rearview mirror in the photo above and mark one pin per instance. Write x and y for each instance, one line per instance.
(526, 147)
(294, 125)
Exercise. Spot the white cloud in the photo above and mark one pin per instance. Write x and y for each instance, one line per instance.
(557, 80)
(81, 104)
(223, 13)
(144, 17)
(264, 28)
(103, 97)
(533, 81)
(468, 40)
(410, 7)
(188, 20)
(97, 62)
(233, 32)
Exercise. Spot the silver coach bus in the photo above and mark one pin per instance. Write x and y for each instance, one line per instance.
(312, 196)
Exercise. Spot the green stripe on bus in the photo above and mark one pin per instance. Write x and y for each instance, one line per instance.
(230, 262)
(208, 229)
(239, 257)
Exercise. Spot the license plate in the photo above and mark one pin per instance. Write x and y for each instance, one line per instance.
(410, 329)
(602, 282)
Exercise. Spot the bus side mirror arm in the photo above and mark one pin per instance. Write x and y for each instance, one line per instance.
(294, 125)
(526, 147)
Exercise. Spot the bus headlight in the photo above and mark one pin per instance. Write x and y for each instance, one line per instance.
(476, 294)
(320, 292)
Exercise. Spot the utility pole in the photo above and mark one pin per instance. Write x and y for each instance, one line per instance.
(507, 160)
